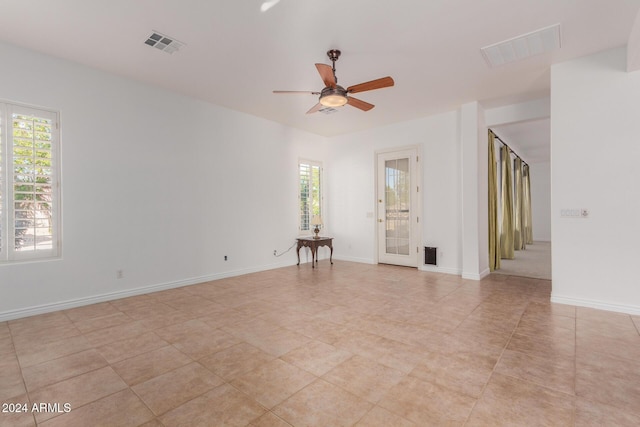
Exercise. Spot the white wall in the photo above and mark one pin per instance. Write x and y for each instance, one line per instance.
(153, 183)
(351, 182)
(595, 147)
(540, 176)
(515, 113)
(475, 187)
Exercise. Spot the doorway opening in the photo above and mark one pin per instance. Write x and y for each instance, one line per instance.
(531, 141)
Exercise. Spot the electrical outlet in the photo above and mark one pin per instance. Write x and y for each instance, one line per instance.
(225, 257)
(574, 213)
(119, 274)
(275, 252)
(570, 213)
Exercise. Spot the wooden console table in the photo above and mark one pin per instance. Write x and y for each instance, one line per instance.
(314, 244)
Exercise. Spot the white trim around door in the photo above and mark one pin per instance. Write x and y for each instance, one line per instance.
(398, 206)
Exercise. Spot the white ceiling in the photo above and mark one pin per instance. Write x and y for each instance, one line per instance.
(235, 55)
(531, 140)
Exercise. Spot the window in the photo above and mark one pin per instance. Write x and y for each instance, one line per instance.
(29, 184)
(310, 180)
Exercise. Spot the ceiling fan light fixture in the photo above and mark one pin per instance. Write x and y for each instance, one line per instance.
(333, 97)
(333, 101)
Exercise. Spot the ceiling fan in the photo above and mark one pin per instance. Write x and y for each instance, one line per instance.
(334, 95)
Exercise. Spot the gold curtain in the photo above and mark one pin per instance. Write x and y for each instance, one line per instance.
(494, 231)
(528, 223)
(518, 224)
(506, 235)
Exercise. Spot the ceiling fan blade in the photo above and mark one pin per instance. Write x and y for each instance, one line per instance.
(326, 73)
(297, 91)
(355, 102)
(315, 108)
(373, 84)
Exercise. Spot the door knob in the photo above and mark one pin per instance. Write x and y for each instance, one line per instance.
(379, 220)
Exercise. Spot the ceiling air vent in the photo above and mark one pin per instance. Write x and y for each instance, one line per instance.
(164, 43)
(328, 110)
(521, 47)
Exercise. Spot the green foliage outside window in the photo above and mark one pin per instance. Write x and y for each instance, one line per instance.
(32, 180)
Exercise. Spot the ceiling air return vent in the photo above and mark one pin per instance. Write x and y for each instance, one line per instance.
(540, 41)
(163, 42)
(328, 110)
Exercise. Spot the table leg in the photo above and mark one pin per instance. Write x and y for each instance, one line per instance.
(298, 250)
(331, 255)
(314, 252)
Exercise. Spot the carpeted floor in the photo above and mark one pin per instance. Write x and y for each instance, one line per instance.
(534, 262)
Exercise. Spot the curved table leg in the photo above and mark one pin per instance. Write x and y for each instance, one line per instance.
(331, 255)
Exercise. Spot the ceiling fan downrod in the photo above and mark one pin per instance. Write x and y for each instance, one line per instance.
(333, 55)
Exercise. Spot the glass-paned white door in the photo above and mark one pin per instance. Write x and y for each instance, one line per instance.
(397, 200)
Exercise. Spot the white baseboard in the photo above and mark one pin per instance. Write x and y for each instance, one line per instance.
(64, 305)
(476, 276)
(354, 259)
(436, 269)
(601, 305)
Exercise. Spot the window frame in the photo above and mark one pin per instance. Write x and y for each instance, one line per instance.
(301, 212)
(8, 252)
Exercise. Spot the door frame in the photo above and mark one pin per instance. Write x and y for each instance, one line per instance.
(417, 205)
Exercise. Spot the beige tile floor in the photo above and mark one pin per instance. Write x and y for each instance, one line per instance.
(348, 344)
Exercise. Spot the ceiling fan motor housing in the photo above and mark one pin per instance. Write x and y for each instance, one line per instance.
(333, 96)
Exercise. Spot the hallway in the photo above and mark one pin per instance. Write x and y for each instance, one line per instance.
(533, 262)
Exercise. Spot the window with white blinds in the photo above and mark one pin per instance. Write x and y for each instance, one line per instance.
(310, 192)
(29, 183)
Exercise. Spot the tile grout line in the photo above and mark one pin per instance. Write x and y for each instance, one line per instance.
(636, 325)
(24, 383)
(496, 365)
(575, 363)
(94, 348)
(156, 416)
